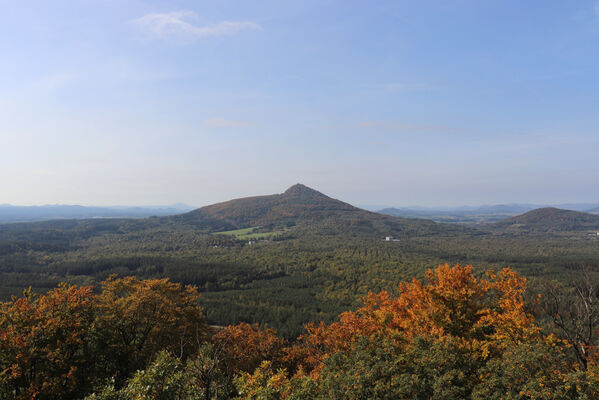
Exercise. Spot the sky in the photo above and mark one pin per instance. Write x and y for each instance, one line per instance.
(429, 103)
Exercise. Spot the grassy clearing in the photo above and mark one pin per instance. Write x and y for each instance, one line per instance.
(248, 233)
(237, 232)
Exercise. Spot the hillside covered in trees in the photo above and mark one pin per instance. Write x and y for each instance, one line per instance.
(552, 219)
(280, 260)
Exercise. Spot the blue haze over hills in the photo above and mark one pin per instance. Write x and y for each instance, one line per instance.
(462, 214)
(480, 214)
(10, 213)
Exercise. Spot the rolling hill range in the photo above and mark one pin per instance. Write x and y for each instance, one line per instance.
(551, 219)
(464, 215)
(299, 210)
(10, 213)
(319, 255)
(480, 215)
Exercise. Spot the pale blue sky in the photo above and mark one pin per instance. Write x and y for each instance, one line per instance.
(374, 102)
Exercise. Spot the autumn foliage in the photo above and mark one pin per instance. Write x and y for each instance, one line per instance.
(138, 318)
(60, 345)
(245, 346)
(484, 313)
(45, 342)
(456, 335)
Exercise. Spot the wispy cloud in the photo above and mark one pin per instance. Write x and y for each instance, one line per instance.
(225, 123)
(179, 25)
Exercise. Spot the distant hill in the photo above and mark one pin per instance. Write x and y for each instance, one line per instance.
(482, 214)
(10, 213)
(551, 219)
(297, 203)
(301, 206)
(299, 209)
(281, 260)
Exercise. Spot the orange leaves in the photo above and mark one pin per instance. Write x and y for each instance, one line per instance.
(245, 346)
(56, 345)
(142, 310)
(508, 315)
(137, 318)
(43, 340)
(53, 345)
(481, 312)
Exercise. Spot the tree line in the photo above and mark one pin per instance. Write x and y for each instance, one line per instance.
(452, 335)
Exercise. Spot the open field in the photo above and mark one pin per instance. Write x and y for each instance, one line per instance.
(249, 233)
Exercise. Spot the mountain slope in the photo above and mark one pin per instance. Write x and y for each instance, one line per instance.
(297, 212)
(302, 206)
(298, 203)
(551, 219)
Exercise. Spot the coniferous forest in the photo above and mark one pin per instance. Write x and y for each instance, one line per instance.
(300, 296)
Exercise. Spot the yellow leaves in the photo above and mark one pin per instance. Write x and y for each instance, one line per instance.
(141, 317)
(483, 312)
(47, 340)
(263, 383)
(43, 336)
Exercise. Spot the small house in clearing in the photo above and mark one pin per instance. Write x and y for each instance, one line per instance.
(389, 238)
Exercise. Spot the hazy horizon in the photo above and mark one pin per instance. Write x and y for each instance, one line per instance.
(367, 206)
(393, 102)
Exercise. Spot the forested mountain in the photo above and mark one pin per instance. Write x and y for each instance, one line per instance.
(305, 208)
(299, 207)
(462, 215)
(479, 215)
(279, 260)
(297, 204)
(485, 210)
(551, 219)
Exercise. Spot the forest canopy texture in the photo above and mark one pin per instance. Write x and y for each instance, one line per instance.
(453, 335)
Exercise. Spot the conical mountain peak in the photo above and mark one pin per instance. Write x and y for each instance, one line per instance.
(301, 190)
(298, 204)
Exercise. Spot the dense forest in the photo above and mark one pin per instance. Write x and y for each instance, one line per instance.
(249, 299)
(306, 257)
(453, 335)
